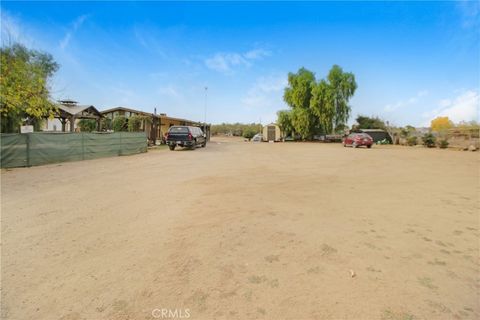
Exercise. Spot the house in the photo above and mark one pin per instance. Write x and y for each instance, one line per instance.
(68, 114)
(159, 124)
(272, 132)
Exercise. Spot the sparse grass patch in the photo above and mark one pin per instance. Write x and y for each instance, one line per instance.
(327, 250)
(427, 282)
(256, 279)
(392, 315)
(437, 262)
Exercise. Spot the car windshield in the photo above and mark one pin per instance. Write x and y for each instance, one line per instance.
(178, 130)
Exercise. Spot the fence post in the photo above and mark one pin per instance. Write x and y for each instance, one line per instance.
(28, 148)
(120, 145)
(83, 146)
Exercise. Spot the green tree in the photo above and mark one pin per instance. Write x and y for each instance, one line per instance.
(106, 124)
(298, 95)
(319, 107)
(87, 125)
(342, 86)
(248, 133)
(119, 124)
(135, 123)
(407, 131)
(24, 90)
(302, 120)
(323, 105)
(235, 129)
(284, 120)
(364, 122)
(299, 90)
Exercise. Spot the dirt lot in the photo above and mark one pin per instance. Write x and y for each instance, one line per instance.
(243, 231)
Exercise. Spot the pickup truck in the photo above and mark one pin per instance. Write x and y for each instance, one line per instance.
(185, 136)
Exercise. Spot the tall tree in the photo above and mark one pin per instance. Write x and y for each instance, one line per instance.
(299, 90)
(298, 95)
(323, 106)
(303, 122)
(342, 86)
(319, 107)
(24, 90)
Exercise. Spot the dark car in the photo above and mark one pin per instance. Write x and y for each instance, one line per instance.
(357, 140)
(185, 136)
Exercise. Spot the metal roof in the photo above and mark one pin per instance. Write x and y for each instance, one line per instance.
(125, 109)
(149, 114)
(372, 130)
(73, 110)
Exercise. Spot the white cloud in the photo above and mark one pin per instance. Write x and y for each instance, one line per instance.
(223, 62)
(266, 92)
(257, 54)
(464, 107)
(226, 61)
(75, 26)
(407, 102)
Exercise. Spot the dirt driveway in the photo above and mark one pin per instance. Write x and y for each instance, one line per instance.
(245, 231)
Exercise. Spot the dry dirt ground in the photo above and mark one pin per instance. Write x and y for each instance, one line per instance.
(245, 231)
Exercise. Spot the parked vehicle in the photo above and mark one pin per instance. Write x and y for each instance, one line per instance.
(185, 136)
(257, 138)
(357, 140)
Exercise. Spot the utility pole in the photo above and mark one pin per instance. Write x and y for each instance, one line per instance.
(205, 113)
(153, 130)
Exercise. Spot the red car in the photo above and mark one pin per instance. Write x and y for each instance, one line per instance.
(357, 140)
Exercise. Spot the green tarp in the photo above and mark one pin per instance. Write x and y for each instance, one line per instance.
(32, 149)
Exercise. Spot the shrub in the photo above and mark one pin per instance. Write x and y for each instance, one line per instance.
(429, 140)
(412, 141)
(119, 124)
(248, 133)
(443, 144)
(407, 131)
(106, 124)
(134, 123)
(87, 125)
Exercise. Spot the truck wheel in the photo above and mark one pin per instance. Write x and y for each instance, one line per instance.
(204, 145)
(369, 146)
(171, 147)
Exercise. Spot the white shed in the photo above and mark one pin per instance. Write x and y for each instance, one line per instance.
(272, 132)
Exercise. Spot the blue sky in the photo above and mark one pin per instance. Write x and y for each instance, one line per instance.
(413, 61)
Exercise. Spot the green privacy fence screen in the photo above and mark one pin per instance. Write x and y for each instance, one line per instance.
(33, 149)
